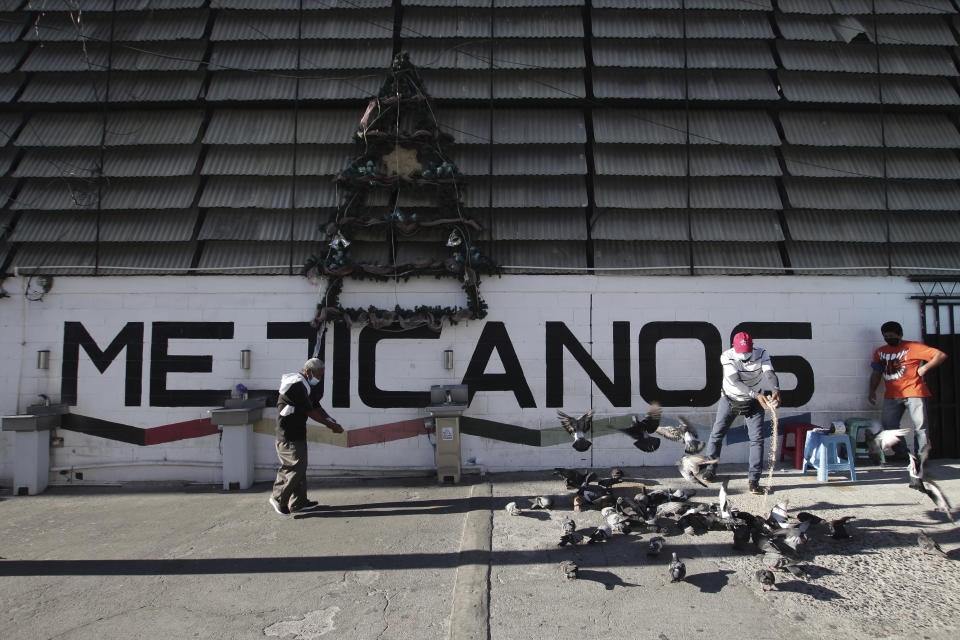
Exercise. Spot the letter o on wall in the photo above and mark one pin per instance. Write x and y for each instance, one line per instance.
(654, 332)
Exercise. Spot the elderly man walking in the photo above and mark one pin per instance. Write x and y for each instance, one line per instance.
(299, 400)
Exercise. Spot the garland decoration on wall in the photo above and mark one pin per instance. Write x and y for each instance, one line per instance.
(403, 155)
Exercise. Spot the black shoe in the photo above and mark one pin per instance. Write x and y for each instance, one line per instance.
(279, 508)
(309, 505)
(754, 487)
(709, 476)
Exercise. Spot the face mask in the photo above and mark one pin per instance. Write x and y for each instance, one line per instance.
(892, 341)
(745, 356)
(314, 381)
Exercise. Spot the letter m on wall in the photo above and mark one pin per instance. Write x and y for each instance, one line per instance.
(130, 338)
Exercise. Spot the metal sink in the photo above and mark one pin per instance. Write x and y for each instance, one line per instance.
(47, 409)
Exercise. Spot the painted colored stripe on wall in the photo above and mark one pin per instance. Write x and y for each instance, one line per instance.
(180, 431)
(136, 435)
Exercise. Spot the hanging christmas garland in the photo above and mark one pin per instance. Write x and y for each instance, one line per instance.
(414, 164)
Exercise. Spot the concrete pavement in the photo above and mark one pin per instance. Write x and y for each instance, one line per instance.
(408, 558)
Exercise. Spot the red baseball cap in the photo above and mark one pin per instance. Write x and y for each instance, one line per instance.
(742, 342)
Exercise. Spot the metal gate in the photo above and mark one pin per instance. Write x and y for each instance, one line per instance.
(940, 319)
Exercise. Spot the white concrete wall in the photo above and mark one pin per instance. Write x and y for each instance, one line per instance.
(844, 312)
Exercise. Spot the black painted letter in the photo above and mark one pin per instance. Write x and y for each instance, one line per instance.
(162, 363)
(494, 336)
(558, 337)
(76, 336)
(796, 365)
(654, 332)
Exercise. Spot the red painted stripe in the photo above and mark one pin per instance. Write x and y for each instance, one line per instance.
(385, 432)
(179, 431)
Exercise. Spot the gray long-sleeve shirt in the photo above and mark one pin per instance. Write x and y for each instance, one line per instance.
(746, 379)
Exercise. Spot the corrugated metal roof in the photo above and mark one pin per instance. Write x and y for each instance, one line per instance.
(837, 226)
(736, 226)
(834, 194)
(898, 30)
(127, 27)
(254, 25)
(864, 6)
(623, 52)
(7, 157)
(249, 86)
(920, 130)
(552, 224)
(9, 123)
(108, 5)
(827, 56)
(12, 26)
(267, 192)
(10, 84)
(740, 127)
(124, 162)
(733, 161)
(66, 87)
(513, 3)
(294, 5)
(745, 25)
(353, 23)
(82, 129)
(326, 126)
(455, 53)
(124, 87)
(55, 227)
(925, 164)
(922, 61)
(533, 253)
(805, 86)
(254, 55)
(145, 257)
(10, 55)
(357, 85)
(538, 160)
(144, 193)
(926, 195)
(727, 54)
(446, 23)
(253, 126)
(831, 128)
(672, 257)
(671, 193)
(734, 193)
(648, 85)
(94, 56)
(736, 5)
(736, 258)
(925, 258)
(228, 255)
(263, 225)
(613, 23)
(919, 90)
(467, 125)
(837, 258)
(47, 255)
(528, 191)
(833, 163)
(347, 54)
(7, 186)
(153, 226)
(549, 84)
(557, 22)
(535, 126)
(462, 84)
(632, 160)
(924, 227)
(639, 224)
(276, 160)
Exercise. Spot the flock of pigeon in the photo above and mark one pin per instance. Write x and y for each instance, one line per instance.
(779, 536)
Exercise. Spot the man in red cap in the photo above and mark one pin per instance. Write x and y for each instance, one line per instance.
(747, 374)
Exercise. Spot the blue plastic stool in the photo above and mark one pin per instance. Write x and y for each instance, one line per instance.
(820, 452)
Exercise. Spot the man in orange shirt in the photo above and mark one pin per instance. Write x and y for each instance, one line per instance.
(902, 364)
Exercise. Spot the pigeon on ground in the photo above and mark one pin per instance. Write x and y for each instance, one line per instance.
(690, 466)
(682, 495)
(838, 528)
(668, 509)
(572, 539)
(678, 570)
(780, 562)
(883, 441)
(600, 534)
(513, 509)
(805, 516)
(639, 430)
(655, 546)
(616, 473)
(570, 569)
(929, 545)
(741, 537)
(541, 502)
(573, 478)
(766, 579)
(568, 525)
(618, 522)
(724, 501)
(684, 433)
(798, 571)
(576, 427)
(627, 507)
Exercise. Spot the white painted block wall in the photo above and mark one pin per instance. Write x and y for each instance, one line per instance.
(845, 314)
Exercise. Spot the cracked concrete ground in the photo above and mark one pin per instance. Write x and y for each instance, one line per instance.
(410, 559)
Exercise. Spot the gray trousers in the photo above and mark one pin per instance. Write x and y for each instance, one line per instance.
(754, 421)
(892, 413)
(290, 487)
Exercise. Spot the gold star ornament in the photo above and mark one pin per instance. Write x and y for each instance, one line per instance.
(402, 162)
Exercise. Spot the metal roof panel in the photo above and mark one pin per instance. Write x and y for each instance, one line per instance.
(443, 22)
(258, 257)
(55, 227)
(154, 161)
(925, 227)
(267, 192)
(10, 84)
(731, 85)
(735, 258)
(276, 160)
(538, 224)
(734, 193)
(147, 226)
(555, 22)
(263, 225)
(831, 128)
(654, 258)
(735, 226)
(925, 258)
(925, 195)
(639, 224)
(817, 162)
(9, 124)
(124, 27)
(10, 55)
(823, 87)
(94, 56)
(837, 258)
(145, 258)
(837, 226)
(516, 160)
(527, 191)
(82, 129)
(834, 194)
(143, 193)
(251, 126)
(926, 164)
(647, 85)
(864, 6)
(547, 84)
(538, 253)
(248, 87)
(919, 91)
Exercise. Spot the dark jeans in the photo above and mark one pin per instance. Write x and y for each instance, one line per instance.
(754, 421)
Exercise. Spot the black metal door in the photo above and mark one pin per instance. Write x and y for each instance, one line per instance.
(940, 319)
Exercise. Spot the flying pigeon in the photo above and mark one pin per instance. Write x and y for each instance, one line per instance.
(932, 489)
(724, 502)
(924, 483)
(639, 429)
(656, 546)
(600, 534)
(576, 427)
(570, 569)
(929, 545)
(684, 433)
(541, 502)
(513, 509)
(574, 479)
(883, 441)
(766, 579)
(690, 465)
(838, 528)
(678, 570)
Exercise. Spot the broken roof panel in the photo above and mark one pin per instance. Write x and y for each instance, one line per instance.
(894, 30)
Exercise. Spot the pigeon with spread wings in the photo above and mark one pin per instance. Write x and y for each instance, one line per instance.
(684, 432)
(577, 427)
(639, 430)
(924, 483)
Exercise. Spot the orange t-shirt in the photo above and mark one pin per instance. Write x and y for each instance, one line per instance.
(898, 366)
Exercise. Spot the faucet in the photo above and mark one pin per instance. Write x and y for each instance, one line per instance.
(45, 398)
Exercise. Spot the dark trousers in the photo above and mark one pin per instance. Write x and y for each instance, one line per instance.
(754, 421)
(290, 487)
